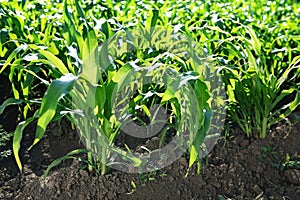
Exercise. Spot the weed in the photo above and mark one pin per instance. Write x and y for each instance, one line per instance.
(5, 138)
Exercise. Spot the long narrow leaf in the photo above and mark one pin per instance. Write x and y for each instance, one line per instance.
(57, 90)
(199, 138)
(59, 160)
(12, 56)
(54, 61)
(17, 139)
(8, 102)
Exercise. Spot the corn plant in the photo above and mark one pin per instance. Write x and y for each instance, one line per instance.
(262, 83)
(255, 91)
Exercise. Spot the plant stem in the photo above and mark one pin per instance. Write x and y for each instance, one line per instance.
(103, 161)
(264, 127)
(90, 159)
(88, 145)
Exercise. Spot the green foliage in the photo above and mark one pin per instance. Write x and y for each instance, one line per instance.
(259, 98)
(47, 57)
(290, 163)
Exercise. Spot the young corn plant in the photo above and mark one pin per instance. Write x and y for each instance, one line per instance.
(33, 65)
(260, 56)
(256, 92)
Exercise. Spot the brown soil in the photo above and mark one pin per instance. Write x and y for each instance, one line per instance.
(237, 168)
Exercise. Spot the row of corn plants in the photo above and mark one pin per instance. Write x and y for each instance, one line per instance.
(48, 48)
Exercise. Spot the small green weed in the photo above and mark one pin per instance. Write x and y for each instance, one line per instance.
(273, 155)
(5, 138)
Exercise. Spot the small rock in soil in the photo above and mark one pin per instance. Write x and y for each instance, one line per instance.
(182, 161)
(259, 169)
(110, 195)
(171, 178)
(238, 139)
(244, 143)
(153, 143)
(257, 190)
(202, 182)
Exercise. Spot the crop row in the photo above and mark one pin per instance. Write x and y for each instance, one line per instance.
(81, 60)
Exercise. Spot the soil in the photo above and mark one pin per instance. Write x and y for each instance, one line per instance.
(237, 168)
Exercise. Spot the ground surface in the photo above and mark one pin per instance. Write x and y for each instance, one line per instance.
(237, 168)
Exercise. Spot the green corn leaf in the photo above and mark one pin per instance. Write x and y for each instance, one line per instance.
(199, 138)
(106, 29)
(57, 90)
(103, 57)
(152, 18)
(110, 94)
(48, 32)
(295, 64)
(282, 95)
(79, 10)
(100, 98)
(123, 75)
(136, 162)
(202, 94)
(120, 79)
(168, 94)
(26, 84)
(56, 162)
(36, 76)
(55, 61)
(286, 110)
(251, 61)
(107, 127)
(12, 56)
(177, 83)
(90, 58)
(255, 41)
(18, 137)
(8, 102)
(146, 110)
